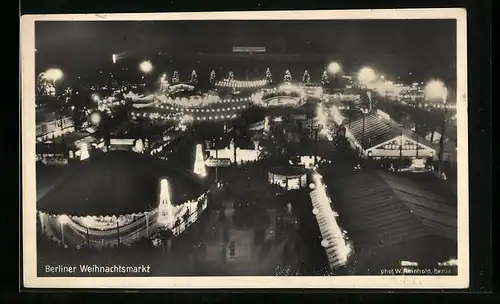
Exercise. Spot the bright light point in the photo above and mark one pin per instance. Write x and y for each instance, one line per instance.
(324, 243)
(63, 219)
(114, 58)
(146, 66)
(436, 89)
(53, 74)
(334, 68)
(95, 118)
(366, 75)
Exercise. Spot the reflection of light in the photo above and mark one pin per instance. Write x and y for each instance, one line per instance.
(114, 58)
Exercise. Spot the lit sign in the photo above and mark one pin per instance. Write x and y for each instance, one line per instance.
(218, 162)
(121, 142)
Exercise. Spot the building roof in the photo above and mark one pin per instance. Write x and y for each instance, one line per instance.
(382, 209)
(378, 130)
(118, 182)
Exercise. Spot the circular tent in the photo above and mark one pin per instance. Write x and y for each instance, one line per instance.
(117, 183)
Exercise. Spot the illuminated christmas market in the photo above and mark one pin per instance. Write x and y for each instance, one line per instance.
(258, 148)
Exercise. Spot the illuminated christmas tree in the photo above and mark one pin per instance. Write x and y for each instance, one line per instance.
(324, 78)
(199, 163)
(175, 77)
(84, 152)
(306, 78)
(212, 77)
(269, 76)
(194, 77)
(166, 213)
(288, 76)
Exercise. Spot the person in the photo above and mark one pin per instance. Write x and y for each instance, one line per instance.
(232, 249)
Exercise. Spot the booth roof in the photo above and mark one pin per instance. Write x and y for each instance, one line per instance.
(382, 210)
(118, 182)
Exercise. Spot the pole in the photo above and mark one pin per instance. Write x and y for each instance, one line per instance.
(88, 237)
(147, 224)
(363, 132)
(416, 132)
(441, 140)
(118, 231)
(62, 233)
(401, 149)
(234, 144)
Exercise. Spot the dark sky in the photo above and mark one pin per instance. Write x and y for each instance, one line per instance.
(423, 47)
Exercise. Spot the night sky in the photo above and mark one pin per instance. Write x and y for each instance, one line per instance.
(426, 48)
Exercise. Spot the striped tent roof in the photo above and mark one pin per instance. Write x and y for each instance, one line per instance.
(378, 130)
(381, 209)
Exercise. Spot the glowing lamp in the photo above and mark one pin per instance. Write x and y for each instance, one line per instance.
(146, 66)
(436, 90)
(366, 75)
(53, 75)
(334, 68)
(312, 186)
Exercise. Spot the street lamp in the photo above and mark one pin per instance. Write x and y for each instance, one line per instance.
(436, 90)
(146, 66)
(54, 75)
(63, 220)
(334, 68)
(366, 75)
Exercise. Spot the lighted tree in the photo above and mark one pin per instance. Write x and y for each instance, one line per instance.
(306, 78)
(199, 164)
(212, 77)
(269, 76)
(230, 76)
(288, 76)
(324, 78)
(175, 77)
(194, 77)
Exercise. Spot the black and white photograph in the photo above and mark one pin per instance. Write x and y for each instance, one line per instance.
(245, 149)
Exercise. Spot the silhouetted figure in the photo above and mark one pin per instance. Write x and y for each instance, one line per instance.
(232, 250)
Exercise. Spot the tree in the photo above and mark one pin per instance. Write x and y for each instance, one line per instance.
(194, 77)
(306, 78)
(269, 76)
(212, 77)
(175, 77)
(288, 76)
(324, 78)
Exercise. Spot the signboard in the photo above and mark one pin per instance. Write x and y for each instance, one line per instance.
(249, 49)
(121, 141)
(218, 162)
